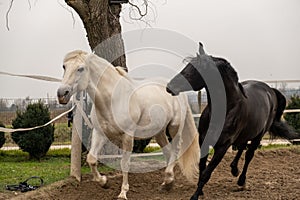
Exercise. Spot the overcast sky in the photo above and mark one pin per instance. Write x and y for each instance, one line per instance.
(260, 38)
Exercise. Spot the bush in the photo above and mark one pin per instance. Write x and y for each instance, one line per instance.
(2, 136)
(140, 145)
(36, 142)
(293, 119)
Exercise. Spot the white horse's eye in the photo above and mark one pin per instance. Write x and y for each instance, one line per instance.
(80, 69)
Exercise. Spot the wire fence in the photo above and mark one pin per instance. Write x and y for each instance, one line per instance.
(8, 108)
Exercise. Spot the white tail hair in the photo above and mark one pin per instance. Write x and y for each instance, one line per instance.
(189, 158)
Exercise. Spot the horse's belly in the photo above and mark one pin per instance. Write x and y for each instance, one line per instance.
(111, 132)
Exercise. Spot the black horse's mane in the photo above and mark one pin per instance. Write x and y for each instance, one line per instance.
(224, 67)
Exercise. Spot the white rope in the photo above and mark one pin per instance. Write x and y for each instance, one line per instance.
(9, 130)
(83, 114)
(37, 77)
(291, 110)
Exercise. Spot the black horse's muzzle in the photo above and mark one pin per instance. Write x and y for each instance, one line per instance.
(171, 91)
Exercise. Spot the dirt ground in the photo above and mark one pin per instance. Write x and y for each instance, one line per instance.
(273, 174)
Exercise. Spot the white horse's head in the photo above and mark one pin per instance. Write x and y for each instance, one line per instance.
(76, 76)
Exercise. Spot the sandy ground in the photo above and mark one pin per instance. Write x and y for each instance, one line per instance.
(273, 174)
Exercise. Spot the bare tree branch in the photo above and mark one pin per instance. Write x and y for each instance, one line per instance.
(7, 13)
(138, 9)
(154, 11)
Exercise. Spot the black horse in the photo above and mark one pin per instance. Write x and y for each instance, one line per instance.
(252, 109)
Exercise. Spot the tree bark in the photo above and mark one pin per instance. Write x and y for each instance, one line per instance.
(101, 22)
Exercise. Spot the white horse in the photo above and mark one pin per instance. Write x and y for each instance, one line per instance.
(124, 109)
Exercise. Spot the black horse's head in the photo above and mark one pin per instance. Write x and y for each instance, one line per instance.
(199, 70)
(190, 77)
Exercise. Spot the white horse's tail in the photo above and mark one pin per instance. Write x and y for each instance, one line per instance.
(190, 150)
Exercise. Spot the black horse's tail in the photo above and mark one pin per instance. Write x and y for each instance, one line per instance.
(280, 128)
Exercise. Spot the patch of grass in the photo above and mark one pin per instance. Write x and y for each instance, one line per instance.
(274, 146)
(15, 167)
(62, 133)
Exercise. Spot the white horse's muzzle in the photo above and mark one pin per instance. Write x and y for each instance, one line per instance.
(64, 94)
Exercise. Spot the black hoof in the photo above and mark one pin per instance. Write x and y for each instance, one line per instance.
(235, 172)
(196, 195)
(241, 182)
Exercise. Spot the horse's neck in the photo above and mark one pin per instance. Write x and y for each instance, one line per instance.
(233, 94)
(102, 87)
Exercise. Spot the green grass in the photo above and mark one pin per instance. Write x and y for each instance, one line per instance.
(15, 167)
(275, 146)
(62, 134)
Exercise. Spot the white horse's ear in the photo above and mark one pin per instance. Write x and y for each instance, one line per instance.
(121, 71)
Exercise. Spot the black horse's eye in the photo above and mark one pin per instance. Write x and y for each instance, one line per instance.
(80, 69)
(64, 67)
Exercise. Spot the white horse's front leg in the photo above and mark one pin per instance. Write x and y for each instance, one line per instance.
(127, 143)
(97, 142)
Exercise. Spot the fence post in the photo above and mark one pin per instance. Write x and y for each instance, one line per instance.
(199, 101)
(76, 141)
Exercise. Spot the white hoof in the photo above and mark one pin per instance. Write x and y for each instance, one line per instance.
(122, 195)
(101, 179)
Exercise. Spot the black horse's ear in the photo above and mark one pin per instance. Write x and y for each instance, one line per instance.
(201, 50)
(242, 90)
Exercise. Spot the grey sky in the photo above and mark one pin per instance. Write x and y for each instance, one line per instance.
(259, 37)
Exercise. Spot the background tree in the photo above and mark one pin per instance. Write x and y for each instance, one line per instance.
(101, 21)
(36, 142)
(293, 119)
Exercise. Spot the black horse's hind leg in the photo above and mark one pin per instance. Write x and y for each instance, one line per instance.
(202, 129)
(204, 154)
(234, 163)
(248, 157)
(205, 176)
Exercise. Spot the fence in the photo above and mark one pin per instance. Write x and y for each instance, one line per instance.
(7, 109)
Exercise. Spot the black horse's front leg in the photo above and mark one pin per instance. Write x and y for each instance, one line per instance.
(206, 174)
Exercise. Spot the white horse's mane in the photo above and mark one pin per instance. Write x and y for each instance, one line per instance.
(74, 54)
(93, 58)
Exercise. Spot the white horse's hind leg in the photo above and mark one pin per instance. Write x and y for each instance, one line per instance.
(97, 142)
(175, 148)
(127, 143)
(163, 142)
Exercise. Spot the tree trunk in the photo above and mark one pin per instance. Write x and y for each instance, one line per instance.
(101, 22)
(103, 28)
